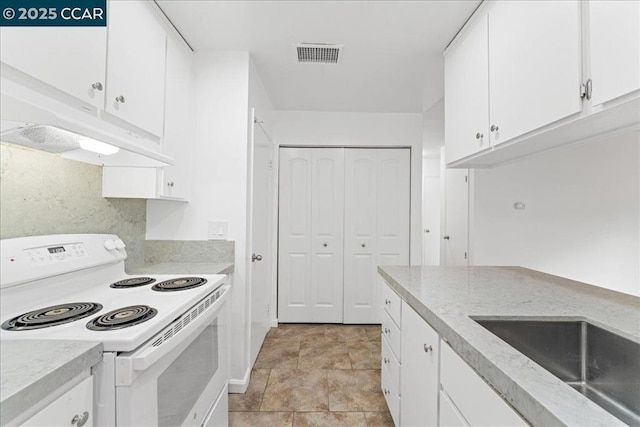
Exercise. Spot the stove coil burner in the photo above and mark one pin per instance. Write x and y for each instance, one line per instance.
(51, 316)
(132, 282)
(179, 284)
(122, 318)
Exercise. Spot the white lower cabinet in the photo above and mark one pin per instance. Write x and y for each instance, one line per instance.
(419, 373)
(73, 408)
(474, 399)
(425, 383)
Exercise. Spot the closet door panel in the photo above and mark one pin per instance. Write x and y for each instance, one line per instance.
(294, 249)
(361, 169)
(393, 206)
(327, 222)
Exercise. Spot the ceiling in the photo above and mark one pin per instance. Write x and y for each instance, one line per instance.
(392, 58)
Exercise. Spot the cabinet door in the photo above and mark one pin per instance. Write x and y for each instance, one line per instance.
(310, 255)
(466, 93)
(77, 402)
(419, 370)
(136, 72)
(614, 28)
(177, 138)
(534, 65)
(69, 59)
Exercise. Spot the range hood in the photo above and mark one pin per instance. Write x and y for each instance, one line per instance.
(31, 119)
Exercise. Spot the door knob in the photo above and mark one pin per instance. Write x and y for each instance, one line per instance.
(494, 128)
(427, 349)
(446, 237)
(479, 135)
(255, 258)
(120, 99)
(96, 86)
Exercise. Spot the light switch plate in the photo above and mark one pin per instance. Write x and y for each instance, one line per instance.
(218, 230)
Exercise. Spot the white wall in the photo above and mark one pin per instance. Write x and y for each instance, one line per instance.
(219, 177)
(362, 129)
(581, 218)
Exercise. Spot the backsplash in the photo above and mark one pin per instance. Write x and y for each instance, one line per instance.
(42, 193)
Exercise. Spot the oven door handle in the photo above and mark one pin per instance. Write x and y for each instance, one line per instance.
(151, 354)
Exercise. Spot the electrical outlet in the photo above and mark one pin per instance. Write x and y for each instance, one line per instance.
(218, 230)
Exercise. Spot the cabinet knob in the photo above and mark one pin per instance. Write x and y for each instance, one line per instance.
(96, 86)
(427, 349)
(479, 135)
(324, 244)
(386, 392)
(387, 330)
(446, 237)
(385, 360)
(120, 99)
(80, 420)
(494, 128)
(170, 184)
(363, 245)
(387, 302)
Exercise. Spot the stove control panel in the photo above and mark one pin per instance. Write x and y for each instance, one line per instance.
(58, 253)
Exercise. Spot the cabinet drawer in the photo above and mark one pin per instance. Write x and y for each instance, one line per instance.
(478, 403)
(391, 364)
(391, 302)
(391, 396)
(77, 402)
(391, 332)
(449, 415)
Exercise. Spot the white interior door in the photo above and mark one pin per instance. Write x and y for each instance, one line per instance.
(311, 212)
(261, 238)
(376, 225)
(456, 217)
(431, 221)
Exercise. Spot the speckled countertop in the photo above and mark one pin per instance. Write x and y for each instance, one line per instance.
(447, 297)
(32, 370)
(183, 268)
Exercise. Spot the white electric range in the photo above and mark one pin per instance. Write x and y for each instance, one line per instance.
(165, 360)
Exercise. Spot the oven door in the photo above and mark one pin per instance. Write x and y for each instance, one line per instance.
(175, 378)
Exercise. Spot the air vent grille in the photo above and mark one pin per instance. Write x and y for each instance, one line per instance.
(314, 53)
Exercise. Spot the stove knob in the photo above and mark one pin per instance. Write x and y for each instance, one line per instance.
(120, 244)
(110, 244)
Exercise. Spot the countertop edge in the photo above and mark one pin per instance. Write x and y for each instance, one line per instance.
(183, 268)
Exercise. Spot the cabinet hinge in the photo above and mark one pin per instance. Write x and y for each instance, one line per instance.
(465, 255)
(270, 165)
(466, 178)
(583, 90)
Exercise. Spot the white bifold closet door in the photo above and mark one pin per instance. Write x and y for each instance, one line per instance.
(310, 254)
(377, 187)
(342, 212)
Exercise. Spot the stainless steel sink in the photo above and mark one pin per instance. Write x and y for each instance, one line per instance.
(603, 366)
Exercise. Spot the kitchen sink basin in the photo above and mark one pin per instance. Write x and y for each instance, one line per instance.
(603, 366)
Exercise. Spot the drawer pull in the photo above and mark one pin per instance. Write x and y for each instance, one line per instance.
(427, 349)
(80, 420)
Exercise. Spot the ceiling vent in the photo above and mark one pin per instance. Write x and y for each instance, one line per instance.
(319, 53)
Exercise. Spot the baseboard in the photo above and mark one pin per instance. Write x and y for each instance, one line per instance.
(273, 323)
(240, 386)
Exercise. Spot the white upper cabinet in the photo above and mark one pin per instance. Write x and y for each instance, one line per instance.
(551, 67)
(71, 60)
(136, 72)
(178, 123)
(466, 83)
(615, 48)
(534, 65)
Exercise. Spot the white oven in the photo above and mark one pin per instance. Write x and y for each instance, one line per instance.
(177, 377)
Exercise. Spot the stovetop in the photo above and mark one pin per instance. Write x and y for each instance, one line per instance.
(146, 309)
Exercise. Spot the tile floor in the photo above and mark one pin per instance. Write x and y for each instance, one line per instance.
(314, 375)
